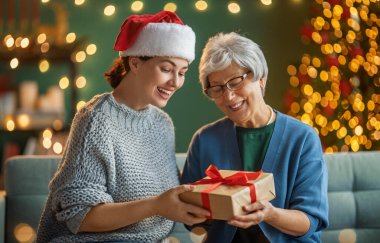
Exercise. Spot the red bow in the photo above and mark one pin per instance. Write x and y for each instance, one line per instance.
(134, 24)
(240, 178)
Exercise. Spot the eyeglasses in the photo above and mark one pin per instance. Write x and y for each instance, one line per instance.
(232, 84)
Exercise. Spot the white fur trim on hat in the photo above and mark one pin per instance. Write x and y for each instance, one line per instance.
(164, 39)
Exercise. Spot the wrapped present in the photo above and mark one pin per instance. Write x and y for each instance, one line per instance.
(225, 192)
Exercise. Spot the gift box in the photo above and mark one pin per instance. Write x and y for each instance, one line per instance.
(225, 192)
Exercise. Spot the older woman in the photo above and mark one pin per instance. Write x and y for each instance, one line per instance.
(254, 136)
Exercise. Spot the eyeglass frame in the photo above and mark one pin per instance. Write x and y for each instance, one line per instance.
(224, 86)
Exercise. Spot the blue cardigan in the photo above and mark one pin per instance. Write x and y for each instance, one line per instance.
(295, 158)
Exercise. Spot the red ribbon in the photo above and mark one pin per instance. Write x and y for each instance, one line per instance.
(240, 178)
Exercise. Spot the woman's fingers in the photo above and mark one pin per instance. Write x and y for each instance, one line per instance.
(197, 211)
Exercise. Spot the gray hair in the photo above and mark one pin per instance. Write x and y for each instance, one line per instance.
(223, 49)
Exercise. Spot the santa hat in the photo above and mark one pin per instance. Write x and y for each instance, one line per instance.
(161, 34)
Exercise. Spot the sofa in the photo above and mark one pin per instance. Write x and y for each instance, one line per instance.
(353, 191)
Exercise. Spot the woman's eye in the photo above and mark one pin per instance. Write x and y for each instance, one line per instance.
(182, 74)
(165, 70)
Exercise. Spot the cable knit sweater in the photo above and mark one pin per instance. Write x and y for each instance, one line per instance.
(113, 154)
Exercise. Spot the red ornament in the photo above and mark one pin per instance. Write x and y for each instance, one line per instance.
(346, 13)
(325, 37)
(332, 60)
(328, 111)
(345, 88)
(354, 51)
(303, 79)
(334, 2)
(289, 98)
(306, 31)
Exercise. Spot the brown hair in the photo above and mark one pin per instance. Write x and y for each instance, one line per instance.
(118, 70)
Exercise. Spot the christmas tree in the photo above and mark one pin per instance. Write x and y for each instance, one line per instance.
(336, 90)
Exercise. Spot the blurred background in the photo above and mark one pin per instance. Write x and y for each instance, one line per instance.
(323, 60)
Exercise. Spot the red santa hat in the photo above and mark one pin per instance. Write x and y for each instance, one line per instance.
(161, 34)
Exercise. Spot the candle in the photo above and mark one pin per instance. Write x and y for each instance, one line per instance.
(28, 95)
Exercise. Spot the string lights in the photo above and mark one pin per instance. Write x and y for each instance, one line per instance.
(337, 91)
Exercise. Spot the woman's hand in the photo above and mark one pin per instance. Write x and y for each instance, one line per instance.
(290, 221)
(169, 205)
(256, 213)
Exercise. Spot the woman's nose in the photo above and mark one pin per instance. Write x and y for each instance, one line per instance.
(175, 81)
(228, 94)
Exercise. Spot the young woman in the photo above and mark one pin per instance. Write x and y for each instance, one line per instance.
(118, 177)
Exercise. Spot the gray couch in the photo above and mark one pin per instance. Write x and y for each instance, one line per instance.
(354, 197)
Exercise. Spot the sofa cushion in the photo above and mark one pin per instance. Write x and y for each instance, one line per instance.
(354, 197)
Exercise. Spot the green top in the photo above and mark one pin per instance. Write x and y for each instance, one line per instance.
(253, 144)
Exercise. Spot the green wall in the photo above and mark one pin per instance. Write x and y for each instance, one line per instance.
(275, 28)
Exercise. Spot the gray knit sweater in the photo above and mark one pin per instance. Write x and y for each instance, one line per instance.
(113, 154)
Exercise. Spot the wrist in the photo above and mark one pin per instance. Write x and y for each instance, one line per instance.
(153, 206)
(273, 214)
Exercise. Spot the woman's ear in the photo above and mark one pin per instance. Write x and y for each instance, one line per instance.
(134, 64)
(263, 82)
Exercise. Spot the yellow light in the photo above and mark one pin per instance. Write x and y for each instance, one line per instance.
(137, 6)
(324, 76)
(308, 107)
(358, 130)
(109, 10)
(316, 62)
(317, 38)
(371, 105)
(91, 49)
(306, 60)
(312, 72)
(45, 1)
(14, 63)
(57, 148)
(80, 56)
(9, 41)
(80, 104)
(45, 47)
(307, 89)
(24, 233)
(57, 124)
(70, 37)
(342, 60)
(79, 2)
(201, 5)
(295, 107)
(234, 7)
(172, 7)
(41, 38)
(46, 143)
(44, 66)
(80, 82)
(337, 10)
(355, 145)
(64, 83)
(294, 81)
(10, 125)
(18, 41)
(23, 121)
(329, 150)
(342, 132)
(316, 97)
(47, 134)
(335, 24)
(335, 124)
(329, 95)
(266, 2)
(292, 70)
(327, 13)
(24, 43)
